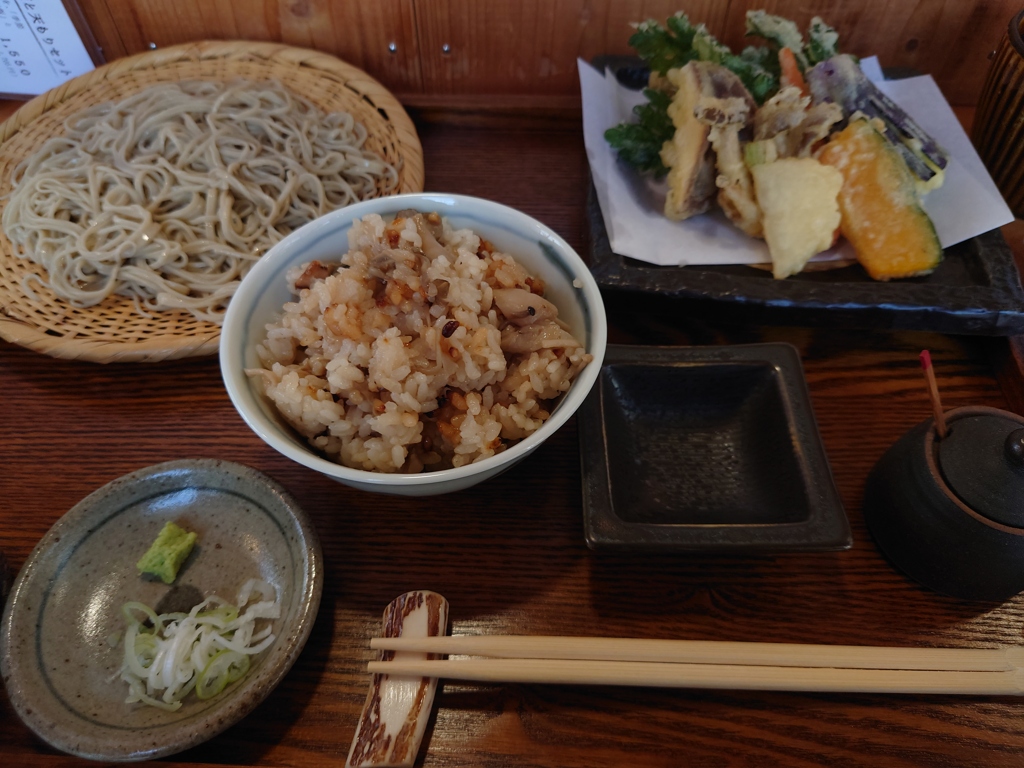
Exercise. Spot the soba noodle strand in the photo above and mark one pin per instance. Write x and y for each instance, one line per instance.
(170, 195)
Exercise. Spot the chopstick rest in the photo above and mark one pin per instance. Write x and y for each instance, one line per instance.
(397, 706)
(724, 665)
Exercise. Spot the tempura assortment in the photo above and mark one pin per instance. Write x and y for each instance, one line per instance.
(790, 139)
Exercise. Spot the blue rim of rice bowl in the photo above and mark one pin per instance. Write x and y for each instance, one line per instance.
(237, 347)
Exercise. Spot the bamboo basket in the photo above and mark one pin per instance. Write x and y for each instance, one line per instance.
(114, 331)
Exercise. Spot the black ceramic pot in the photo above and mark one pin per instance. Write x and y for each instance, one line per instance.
(5, 580)
(950, 513)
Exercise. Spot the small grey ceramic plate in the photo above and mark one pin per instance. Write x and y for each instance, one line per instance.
(56, 654)
(706, 449)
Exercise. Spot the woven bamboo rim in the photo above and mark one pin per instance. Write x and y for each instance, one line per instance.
(114, 330)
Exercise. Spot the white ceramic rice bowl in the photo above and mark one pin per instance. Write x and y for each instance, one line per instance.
(262, 294)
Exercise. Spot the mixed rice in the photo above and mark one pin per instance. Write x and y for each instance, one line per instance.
(424, 349)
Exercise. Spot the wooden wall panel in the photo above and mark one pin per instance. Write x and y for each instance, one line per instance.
(357, 31)
(525, 49)
(497, 47)
(104, 27)
(360, 33)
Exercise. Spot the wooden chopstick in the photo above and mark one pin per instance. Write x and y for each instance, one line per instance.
(712, 652)
(723, 676)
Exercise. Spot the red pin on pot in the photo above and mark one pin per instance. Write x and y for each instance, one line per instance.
(933, 393)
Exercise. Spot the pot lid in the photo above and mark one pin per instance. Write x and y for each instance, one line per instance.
(982, 460)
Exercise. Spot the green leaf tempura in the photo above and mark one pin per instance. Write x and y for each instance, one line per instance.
(639, 143)
(664, 48)
(822, 41)
(678, 42)
(779, 32)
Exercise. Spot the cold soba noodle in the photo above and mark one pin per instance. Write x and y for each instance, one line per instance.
(170, 195)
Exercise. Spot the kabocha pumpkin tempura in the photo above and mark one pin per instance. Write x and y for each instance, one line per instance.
(790, 140)
(881, 215)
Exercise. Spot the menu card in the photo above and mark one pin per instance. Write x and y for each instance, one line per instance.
(968, 203)
(39, 47)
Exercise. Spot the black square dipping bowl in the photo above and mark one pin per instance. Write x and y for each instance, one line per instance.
(706, 449)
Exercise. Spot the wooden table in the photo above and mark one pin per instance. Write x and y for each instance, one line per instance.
(511, 558)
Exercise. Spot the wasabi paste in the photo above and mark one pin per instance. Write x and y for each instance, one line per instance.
(165, 556)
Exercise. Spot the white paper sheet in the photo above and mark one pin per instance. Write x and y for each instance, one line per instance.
(39, 47)
(966, 205)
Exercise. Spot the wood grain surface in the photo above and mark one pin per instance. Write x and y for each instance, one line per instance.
(530, 47)
(510, 555)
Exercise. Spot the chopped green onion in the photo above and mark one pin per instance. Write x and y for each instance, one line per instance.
(127, 608)
(206, 649)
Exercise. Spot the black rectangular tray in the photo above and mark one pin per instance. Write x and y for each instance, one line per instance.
(975, 290)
